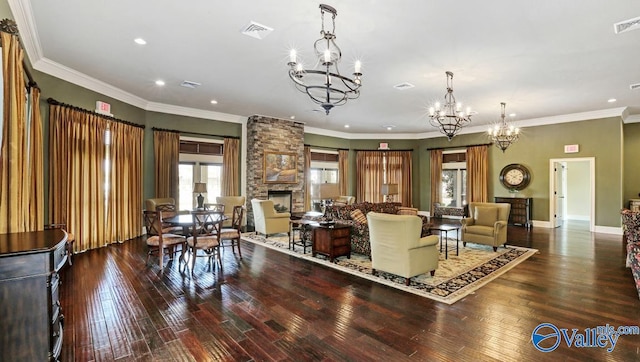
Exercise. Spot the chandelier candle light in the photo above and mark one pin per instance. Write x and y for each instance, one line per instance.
(449, 117)
(503, 134)
(325, 85)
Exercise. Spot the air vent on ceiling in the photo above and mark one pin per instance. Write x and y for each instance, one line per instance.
(403, 86)
(190, 84)
(256, 30)
(627, 25)
(635, 86)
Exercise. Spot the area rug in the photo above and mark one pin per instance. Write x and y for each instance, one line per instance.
(455, 278)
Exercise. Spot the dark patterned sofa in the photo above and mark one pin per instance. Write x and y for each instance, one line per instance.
(360, 231)
(631, 228)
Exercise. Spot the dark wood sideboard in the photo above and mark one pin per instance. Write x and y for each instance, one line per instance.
(30, 313)
(520, 213)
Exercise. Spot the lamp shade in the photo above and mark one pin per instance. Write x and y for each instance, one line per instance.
(199, 187)
(329, 191)
(389, 189)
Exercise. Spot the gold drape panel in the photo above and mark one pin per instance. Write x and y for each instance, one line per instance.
(307, 178)
(370, 173)
(477, 173)
(14, 190)
(77, 175)
(435, 161)
(230, 170)
(166, 147)
(124, 219)
(343, 171)
(400, 171)
(36, 169)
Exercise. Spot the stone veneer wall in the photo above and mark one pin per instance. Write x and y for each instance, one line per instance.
(274, 135)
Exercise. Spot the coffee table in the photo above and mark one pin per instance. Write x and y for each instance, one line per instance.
(444, 229)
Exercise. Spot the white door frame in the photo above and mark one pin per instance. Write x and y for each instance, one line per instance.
(592, 188)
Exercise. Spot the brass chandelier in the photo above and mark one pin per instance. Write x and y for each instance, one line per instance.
(325, 85)
(449, 117)
(503, 134)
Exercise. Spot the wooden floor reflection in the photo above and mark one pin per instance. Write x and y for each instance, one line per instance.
(270, 306)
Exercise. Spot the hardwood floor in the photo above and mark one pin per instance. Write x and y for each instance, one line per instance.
(270, 306)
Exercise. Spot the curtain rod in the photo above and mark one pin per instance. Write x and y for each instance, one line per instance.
(462, 146)
(10, 26)
(327, 148)
(192, 133)
(357, 150)
(53, 102)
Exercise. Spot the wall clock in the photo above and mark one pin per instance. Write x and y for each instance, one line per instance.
(515, 176)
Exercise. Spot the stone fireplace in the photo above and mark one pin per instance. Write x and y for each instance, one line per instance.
(266, 134)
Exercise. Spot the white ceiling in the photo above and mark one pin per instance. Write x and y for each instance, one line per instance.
(543, 58)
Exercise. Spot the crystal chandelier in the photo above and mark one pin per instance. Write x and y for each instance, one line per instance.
(324, 84)
(449, 118)
(503, 134)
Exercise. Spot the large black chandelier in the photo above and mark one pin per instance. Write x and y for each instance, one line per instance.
(503, 134)
(325, 85)
(449, 117)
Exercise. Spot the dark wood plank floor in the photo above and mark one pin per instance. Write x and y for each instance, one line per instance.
(270, 306)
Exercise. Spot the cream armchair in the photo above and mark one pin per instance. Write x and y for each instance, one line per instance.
(229, 203)
(487, 224)
(266, 220)
(150, 204)
(397, 248)
(344, 200)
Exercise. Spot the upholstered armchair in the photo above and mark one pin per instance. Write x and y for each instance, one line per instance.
(266, 220)
(150, 204)
(397, 248)
(229, 203)
(486, 224)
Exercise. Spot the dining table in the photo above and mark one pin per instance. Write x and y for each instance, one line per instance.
(186, 221)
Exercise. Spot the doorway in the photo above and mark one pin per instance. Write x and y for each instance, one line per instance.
(572, 192)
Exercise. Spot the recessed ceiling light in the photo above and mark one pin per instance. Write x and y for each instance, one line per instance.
(512, 115)
(160, 82)
(389, 127)
(293, 117)
(213, 101)
(140, 41)
(611, 100)
(346, 126)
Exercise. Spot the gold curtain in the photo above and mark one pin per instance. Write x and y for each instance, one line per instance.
(435, 160)
(125, 194)
(230, 170)
(369, 176)
(307, 177)
(399, 171)
(14, 191)
(77, 174)
(343, 171)
(477, 173)
(166, 146)
(36, 178)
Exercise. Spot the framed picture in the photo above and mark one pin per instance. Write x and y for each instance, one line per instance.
(280, 168)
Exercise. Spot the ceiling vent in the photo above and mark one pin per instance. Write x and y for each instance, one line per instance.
(635, 86)
(256, 30)
(190, 84)
(627, 25)
(403, 86)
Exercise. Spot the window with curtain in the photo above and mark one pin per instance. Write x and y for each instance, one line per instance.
(375, 168)
(201, 160)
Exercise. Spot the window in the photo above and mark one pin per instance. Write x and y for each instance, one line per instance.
(324, 169)
(200, 161)
(185, 188)
(454, 180)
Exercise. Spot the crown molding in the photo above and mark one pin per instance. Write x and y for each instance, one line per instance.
(23, 15)
(193, 112)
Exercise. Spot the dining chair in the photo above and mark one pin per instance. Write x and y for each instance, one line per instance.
(233, 233)
(205, 236)
(167, 211)
(217, 207)
(160, 242)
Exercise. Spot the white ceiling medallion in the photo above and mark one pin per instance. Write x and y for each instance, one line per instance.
(256, 30)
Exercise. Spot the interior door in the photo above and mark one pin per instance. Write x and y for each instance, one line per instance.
(559, 170)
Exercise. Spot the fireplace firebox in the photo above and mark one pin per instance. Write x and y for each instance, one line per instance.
(282, 200)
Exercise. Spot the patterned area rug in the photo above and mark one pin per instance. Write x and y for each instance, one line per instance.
(455, 278)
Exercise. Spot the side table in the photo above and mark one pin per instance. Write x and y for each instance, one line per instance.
(332, 240)
(444, 229)
(301, 226)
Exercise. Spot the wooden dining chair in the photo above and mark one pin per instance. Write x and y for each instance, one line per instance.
(205, 236)
(233, 233)
(214, 207)
(160, 242)
(168, 211)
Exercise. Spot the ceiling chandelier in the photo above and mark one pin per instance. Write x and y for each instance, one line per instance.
(503, 134)
(324, 84)
(449, 118)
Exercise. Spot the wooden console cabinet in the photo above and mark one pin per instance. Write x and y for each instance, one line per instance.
(30, 313)
(332, 241)
(520, 210)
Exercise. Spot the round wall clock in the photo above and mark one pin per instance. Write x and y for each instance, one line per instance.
(515, 176)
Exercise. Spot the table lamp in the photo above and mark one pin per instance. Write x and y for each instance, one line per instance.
(388, 190)
(200, 187)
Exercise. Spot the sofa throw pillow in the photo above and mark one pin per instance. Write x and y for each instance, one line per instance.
(486, 215)
(358, 216)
